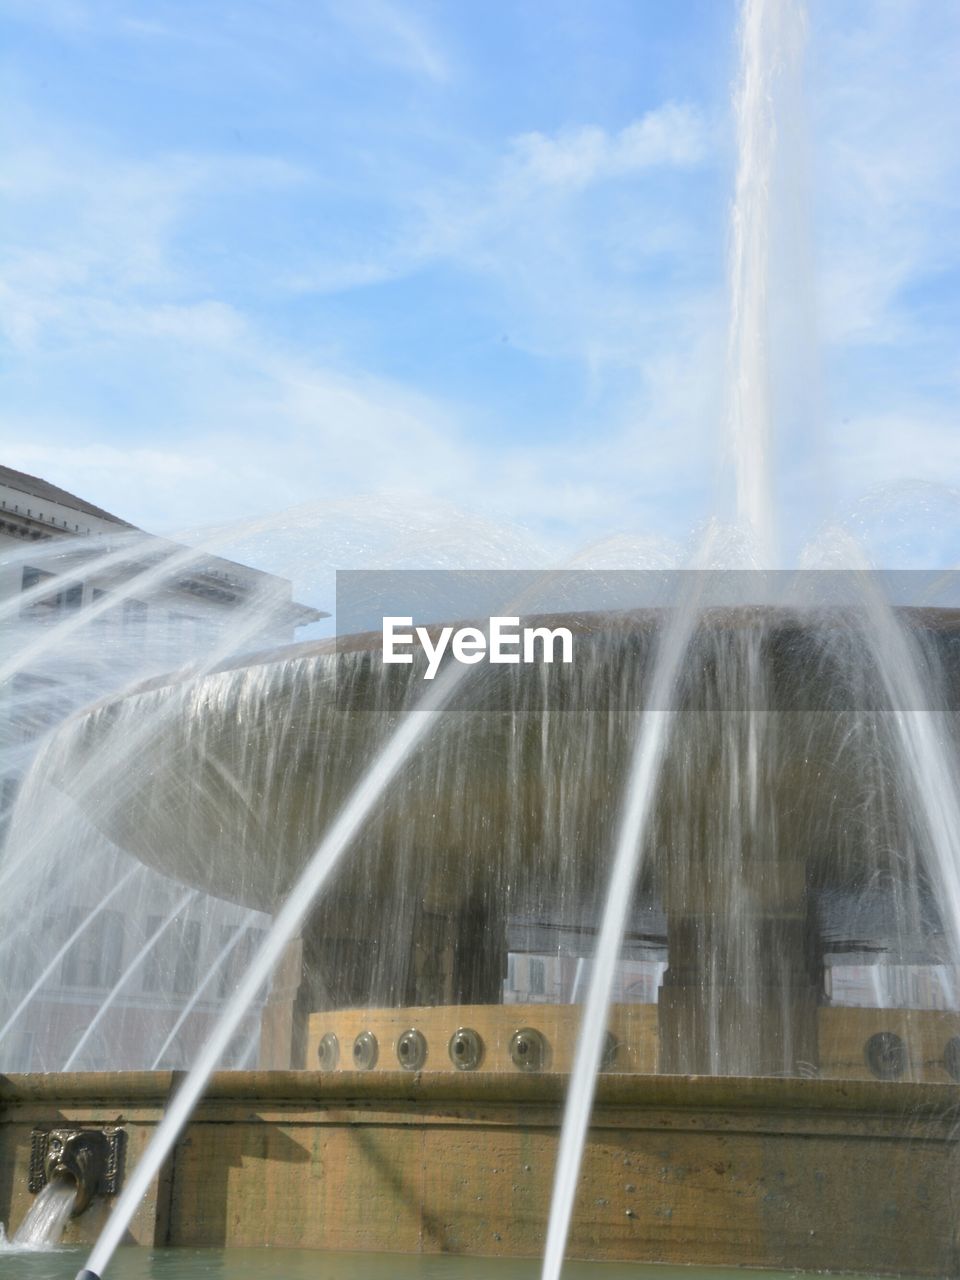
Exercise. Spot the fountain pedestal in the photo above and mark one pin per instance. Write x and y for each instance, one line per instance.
(710, 1023)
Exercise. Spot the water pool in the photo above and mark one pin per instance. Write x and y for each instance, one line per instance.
(292, 1264)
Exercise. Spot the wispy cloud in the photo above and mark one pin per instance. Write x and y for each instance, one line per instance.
(888, 136)
(89, 235)
(392, 34)
(535, 222)
(346, 249)
(242, 420)
(671, 135)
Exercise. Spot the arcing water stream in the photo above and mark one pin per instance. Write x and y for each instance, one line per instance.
(178, 908)
(58, 955)
(220, 960)
(653, 731)
(413, 729)
(43, 1226)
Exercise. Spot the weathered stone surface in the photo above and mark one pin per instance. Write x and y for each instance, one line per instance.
(840, 1036)
(845, 1175)
(633, 1027)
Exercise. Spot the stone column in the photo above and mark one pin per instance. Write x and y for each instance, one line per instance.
(283, 1023)
(455, 953)
(480, 959)
(744, 982)
(719, 1017)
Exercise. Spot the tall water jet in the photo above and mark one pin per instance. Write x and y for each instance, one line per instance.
(767, 34)
(771, 40)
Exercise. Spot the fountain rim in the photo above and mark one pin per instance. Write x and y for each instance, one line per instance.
(910, 1098)
(581, 623)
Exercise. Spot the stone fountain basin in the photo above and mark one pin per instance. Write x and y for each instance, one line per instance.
(818, 1175)
(227, 781)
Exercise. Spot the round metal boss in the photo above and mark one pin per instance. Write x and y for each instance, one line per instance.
(328, 1052)
(466, 1049)
(528, 1049)
(886, 1055)
(365, 1051)
(412, 1050)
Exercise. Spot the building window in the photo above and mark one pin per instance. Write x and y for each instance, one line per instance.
(18, 1055)
(238, 961)
(69, 597)
(32, 577)
(537, 983)
(106, 617)
(134, 613)
(187, 634)
(9, 787)
(171, 964)
(95, 959)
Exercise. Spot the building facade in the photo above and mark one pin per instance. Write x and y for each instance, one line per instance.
(89, 604)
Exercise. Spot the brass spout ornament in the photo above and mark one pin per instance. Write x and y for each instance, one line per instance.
(90, 1158)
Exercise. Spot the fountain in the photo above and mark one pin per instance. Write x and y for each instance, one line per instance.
(556, 958)
(491, 848)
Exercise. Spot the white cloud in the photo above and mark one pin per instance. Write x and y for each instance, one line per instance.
(584, 261)
(521, 198)
(671, 135)
(91, 237)
(884, 448)
(543, 224)
(254, 423)
(888, 140)
(261, 429)
(274, 430)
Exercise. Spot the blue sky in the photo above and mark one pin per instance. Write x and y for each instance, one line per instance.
(469, 261)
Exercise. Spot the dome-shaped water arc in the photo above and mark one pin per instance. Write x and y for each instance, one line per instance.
(766, 843)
